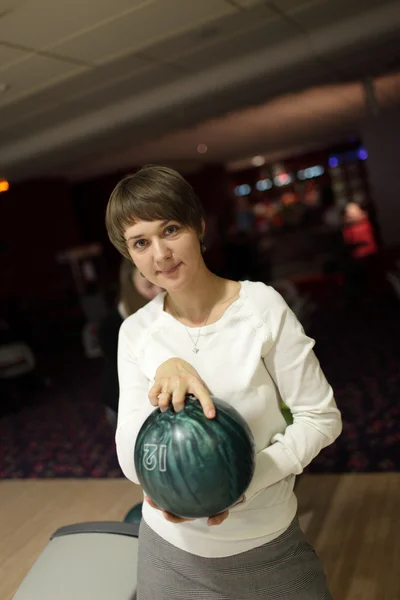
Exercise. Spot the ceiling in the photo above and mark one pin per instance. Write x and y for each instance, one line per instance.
(93, 85)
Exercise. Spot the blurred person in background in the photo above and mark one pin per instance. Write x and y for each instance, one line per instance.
(358, 232)
(359, 247)
(134, 292)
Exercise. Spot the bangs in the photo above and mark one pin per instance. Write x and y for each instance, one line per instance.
(160, 207)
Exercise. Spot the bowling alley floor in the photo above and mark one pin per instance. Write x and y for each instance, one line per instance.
(351, 519)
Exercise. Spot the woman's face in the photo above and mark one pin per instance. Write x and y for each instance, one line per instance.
(144, 286)
(166, 252)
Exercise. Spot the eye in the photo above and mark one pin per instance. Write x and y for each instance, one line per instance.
(171, 229)
(140, 244)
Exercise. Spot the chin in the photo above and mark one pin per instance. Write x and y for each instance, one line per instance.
(171, 284)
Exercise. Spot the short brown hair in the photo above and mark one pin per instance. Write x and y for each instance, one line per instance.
(152, 193)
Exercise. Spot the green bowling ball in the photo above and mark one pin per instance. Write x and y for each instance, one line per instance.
(192, 466)
(287, 415)
(135, 514)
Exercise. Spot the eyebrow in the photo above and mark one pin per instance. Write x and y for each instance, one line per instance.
(141, 235)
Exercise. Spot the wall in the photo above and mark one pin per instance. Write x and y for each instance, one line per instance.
(381, 136)
(37, 221)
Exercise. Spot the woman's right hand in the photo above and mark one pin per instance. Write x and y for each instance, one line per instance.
(173, 380)
(168, 516)
(211, 521)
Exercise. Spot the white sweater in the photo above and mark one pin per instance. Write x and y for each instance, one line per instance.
(254, 356)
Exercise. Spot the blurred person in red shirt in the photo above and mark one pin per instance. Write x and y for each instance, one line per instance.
(360, 247)
(358, 233)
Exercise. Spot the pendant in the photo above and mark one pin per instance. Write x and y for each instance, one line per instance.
(195, 350)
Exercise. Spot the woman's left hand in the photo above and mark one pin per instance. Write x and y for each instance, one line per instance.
(218, 519)
(215, 520)
(167, 515)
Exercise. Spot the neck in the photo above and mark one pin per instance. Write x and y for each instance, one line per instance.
(194, 303)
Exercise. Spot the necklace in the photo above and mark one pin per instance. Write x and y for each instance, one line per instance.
(195, 348)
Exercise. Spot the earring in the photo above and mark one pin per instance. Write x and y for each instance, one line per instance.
(203, 246)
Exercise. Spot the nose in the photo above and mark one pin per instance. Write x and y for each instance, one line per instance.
(161, 251)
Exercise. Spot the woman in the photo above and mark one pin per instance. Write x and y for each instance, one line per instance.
(134, 292)
(239, 341)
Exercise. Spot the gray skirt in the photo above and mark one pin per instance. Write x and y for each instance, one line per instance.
(285, 569)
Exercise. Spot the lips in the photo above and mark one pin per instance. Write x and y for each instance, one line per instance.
(170, 271)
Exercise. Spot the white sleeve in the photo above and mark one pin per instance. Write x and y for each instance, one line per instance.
(302, 385)
(134, 405)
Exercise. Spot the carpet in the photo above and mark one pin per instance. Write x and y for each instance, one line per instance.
(359, 351)
(65, 433)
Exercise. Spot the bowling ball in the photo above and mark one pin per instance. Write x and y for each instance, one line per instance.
(134, 515)
(287, 414)
(192, 466)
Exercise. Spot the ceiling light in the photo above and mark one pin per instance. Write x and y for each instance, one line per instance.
(264, 184)
(333, 162)
(311, 172)
(258, 161)
(362, 154)
(4, 185)
(282, 179)
(242, 190)
(202, 148)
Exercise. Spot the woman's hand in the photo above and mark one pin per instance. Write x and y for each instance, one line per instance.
(174, 379)
(218, 519)
(215, 520)
(170, 517)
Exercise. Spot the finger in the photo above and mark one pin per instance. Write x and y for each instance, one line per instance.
(164, 400)
(167, 515)
(203, 396)
(155, 391)
(218, 519)
(173, 518)
(178, 395)
(152, 504)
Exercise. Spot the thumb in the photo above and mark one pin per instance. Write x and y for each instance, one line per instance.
(152, 504)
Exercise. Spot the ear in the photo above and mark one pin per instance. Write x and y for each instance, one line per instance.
(203, 227)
